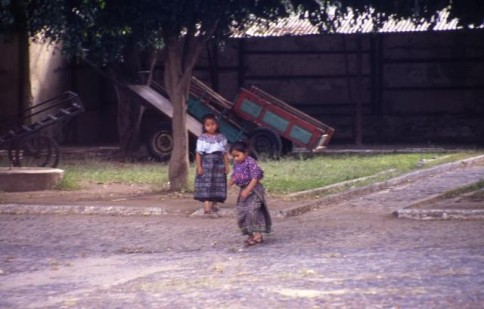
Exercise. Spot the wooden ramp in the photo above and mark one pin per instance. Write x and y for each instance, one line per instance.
(164, 105)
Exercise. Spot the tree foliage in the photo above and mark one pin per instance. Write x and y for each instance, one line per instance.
(469, 13)
(105, 27)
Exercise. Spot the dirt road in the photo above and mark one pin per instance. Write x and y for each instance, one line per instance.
(350, 254)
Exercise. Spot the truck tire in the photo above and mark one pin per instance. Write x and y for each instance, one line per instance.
(265, 143)
(160, 143)
(287, 146)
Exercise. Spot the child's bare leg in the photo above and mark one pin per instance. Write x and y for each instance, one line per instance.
(254, 239)
(257, 238)
(207, 206)
(249, 241)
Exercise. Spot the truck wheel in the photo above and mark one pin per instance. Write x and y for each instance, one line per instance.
(287, 146)
(160, 144)
(266, 143)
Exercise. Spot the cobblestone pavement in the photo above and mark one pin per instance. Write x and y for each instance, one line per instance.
(351, 254)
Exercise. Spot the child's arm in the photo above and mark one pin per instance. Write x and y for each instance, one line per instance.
(226, 162)
(198, 161)
(248, 190)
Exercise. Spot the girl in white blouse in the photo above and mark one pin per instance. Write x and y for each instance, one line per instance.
(212, 166)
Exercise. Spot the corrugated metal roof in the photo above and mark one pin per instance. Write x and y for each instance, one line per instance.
(293, 26)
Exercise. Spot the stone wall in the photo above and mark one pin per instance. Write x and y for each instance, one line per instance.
(9, 75)
(49, 76)
(415, 87)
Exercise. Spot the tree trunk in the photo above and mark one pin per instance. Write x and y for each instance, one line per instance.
(177, 87)
(181, 56)
(178, 167)
(130, 113)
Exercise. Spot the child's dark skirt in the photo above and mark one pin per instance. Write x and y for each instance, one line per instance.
(212, 185)
(253, 214)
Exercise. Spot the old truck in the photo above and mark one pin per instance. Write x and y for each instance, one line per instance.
(270, 125)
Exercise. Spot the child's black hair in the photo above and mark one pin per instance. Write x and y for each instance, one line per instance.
(242, 146)
(210, 116)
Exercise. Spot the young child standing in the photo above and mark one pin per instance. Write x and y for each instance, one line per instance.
(212, 166)
(253, 217)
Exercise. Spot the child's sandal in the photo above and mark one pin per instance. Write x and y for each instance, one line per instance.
(257, 241)
(249, 241)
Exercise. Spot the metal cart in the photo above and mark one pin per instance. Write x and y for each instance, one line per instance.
(22, 137)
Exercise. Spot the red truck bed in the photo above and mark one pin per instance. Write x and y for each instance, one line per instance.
(267, 111)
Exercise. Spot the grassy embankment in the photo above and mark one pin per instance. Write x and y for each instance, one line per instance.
(282, 176)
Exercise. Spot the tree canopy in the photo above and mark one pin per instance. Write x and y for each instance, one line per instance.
(469, 13)
(105, 27)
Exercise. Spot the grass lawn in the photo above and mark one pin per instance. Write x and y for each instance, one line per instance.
(282, 176)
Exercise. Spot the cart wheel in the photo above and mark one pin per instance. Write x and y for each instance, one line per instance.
(37, 150)
(160, 144)
(12, 148)
(266, 143)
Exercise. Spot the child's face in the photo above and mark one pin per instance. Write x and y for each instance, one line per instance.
(210, 126)
(238, 156)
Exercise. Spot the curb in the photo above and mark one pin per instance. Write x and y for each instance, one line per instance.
(357, 192)
(415, 212)
(328, 188)
(21, 209)
(21, 179)
(440, 214)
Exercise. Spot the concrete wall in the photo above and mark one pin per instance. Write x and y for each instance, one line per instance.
(50, 72)
(9, 75)
(49, 77)
(98, 124)
(416, 87)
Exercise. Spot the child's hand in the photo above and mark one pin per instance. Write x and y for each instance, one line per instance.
(227, 170)
(244, 194)
(199, 171)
